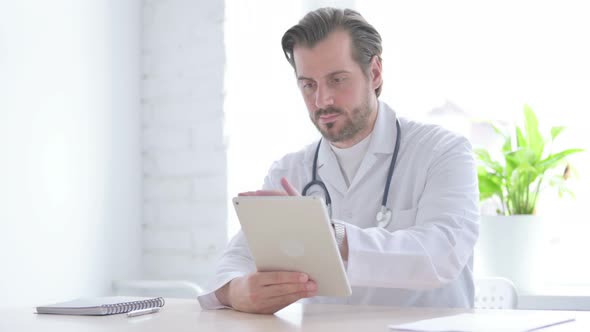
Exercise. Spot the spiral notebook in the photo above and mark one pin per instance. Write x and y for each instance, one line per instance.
(100, 306)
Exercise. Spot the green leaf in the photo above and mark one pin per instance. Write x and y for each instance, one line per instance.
(522, 155)
(555, 131)
(499, 131)
(520, 195)
(533, 136)
(483, 155)
(507, 147)
(515, 159)
(488, 188)
(554, 159)
(523, 176)
(485, 159)
(521, 141)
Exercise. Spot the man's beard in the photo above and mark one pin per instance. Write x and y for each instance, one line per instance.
(355, 122)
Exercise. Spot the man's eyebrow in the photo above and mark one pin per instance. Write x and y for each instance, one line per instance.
(303, 78)
(338, 72)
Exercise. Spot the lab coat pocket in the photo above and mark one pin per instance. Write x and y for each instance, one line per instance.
(402, 219)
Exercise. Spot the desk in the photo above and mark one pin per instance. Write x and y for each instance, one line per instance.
(186, 315)
(555, 301)
(559, 298)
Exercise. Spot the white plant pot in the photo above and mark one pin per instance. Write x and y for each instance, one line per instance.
(510, 247)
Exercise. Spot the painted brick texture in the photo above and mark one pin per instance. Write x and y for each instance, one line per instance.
(183, 146)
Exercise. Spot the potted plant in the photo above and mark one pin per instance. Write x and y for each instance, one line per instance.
(518, 179)
(510, 242)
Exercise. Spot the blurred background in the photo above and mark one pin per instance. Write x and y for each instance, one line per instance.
(127, 126)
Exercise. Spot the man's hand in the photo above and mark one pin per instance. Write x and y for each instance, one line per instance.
(289, 191)
(266, 292)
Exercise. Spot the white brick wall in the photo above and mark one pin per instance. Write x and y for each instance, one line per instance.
(184, 154)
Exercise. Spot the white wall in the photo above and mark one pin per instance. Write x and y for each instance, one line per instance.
(184, 154)
(69, 148)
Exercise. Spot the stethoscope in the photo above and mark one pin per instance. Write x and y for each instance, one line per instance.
(383, 217)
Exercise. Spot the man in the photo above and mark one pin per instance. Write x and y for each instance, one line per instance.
(424, 255)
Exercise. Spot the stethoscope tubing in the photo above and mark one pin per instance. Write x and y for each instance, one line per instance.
(384, 211)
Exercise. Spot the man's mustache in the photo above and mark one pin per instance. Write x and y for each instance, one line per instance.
(326, 111)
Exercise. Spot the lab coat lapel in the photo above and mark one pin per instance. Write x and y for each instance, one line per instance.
(329, 170)
(382, 142)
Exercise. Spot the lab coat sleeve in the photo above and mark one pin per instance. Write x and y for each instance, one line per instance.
(436, 248)
(235, 262)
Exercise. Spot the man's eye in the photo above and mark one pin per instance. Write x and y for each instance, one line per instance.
(308, 86)
(338, 79)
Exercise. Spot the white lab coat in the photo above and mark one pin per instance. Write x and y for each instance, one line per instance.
(425, 256)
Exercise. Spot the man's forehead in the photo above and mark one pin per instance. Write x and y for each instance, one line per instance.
(329, 55)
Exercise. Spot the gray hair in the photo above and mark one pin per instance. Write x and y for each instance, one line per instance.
(316, 25)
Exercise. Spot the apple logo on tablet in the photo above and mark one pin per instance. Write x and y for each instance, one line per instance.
(292, 248)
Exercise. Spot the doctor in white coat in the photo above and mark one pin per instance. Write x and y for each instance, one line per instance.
(423, 254)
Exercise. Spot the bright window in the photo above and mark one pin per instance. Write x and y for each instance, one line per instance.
(484, 59)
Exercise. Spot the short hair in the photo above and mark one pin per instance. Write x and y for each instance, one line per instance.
(315, 26)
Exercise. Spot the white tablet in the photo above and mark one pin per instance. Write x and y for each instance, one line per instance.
(288, 233)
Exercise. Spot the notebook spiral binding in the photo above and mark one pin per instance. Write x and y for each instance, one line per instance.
(123, 307)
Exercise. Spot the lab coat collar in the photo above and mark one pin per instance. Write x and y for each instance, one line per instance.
(329, 169)
(384, 132)
(382, 142)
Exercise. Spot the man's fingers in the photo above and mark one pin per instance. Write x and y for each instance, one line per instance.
(270, 193)
(263, 193)
(247, 193)
(291, 191)
(277, 303)
(280, 290)
(280, 277)
(269, 292)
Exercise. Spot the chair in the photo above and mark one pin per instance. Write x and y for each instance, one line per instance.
(495, 293)
(153, 288)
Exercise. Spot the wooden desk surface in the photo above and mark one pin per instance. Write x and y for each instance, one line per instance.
(186, 315)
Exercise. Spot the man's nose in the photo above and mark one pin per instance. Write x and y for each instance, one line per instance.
(324, 97)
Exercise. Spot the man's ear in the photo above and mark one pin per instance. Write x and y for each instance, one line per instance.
(375, 71)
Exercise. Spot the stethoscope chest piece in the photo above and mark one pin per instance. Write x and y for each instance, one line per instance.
(383, 217)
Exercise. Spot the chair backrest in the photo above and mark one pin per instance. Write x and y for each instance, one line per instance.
(495, 293)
